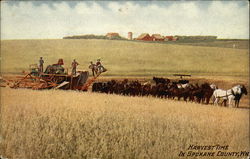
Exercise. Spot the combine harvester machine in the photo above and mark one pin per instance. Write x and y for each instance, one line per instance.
(51, 81)
(54, 77)
(89, 82)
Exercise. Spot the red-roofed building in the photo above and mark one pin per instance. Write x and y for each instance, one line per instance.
(157, 37)
(145, 37)
(170, 38)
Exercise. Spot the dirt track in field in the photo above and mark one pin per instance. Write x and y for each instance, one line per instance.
(223, 82)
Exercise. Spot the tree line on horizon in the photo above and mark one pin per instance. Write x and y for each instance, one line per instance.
(181, 38)
(92, 36)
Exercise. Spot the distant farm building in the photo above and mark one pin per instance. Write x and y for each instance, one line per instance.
(145, 37)
(171, 38)
(157, 37)
(130, 35)
(175, 38)
(112, 35)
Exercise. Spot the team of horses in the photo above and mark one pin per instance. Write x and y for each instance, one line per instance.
(164, 88)
(230, 95)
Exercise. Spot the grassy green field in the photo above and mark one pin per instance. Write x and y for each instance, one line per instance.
(126, 57)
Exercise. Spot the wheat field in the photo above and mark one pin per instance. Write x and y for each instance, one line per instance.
(126, 58)
(71, 124)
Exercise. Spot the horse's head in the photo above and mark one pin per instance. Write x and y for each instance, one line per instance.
(213, 86)
(243, 90)
(125, 81)
(239, 89)
(205, 85)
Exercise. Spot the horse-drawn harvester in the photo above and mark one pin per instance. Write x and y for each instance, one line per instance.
(54, 77)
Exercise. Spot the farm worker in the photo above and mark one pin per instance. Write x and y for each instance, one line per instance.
(74, 64)
(98, 63)
(99, 66)
(92, 66)
(41, 64)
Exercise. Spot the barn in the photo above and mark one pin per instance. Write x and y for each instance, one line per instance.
(169, 38)
(157, 37)
(145, 37)
(112, 35)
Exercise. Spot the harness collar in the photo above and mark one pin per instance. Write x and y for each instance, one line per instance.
(232, 92)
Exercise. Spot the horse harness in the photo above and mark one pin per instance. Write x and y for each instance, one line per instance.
(232, 93)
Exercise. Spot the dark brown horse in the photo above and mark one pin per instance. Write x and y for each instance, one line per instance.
(161, 80)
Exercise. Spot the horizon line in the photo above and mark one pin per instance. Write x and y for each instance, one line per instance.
(119, 40)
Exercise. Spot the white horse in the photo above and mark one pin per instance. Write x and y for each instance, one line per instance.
(213, 86)
(227, 94)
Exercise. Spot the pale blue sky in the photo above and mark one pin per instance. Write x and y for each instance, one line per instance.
(48, 19)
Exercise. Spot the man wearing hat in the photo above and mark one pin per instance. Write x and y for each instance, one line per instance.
(98, 63)
(41, 64)
(74, 64)
(99, 66)
(92, 66)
